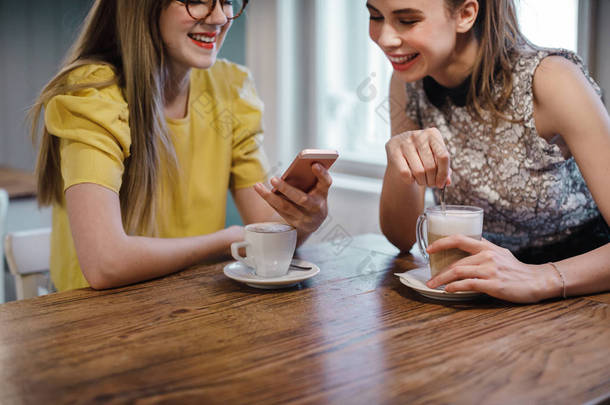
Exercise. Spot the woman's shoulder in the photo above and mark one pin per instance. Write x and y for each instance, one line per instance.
(531, 58)
(224, 70)
(555, 65)
(554, 69)
(230, 69)
(230, 83)
(224, 76)
(91, 74)
(90, 94)
(94, 81)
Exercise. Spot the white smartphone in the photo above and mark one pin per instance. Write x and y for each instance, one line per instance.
(300, 174)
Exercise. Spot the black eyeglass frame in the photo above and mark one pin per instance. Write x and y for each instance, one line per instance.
(214, 2)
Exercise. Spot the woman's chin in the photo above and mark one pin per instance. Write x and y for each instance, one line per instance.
(199, 60)
(206, 63)
(409, 76)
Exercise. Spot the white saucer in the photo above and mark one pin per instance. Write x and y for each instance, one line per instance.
(244, 274)
(417, 278)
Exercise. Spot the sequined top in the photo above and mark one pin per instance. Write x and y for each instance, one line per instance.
(531, 194)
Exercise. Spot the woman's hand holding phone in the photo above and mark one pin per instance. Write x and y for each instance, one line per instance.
(305, 210)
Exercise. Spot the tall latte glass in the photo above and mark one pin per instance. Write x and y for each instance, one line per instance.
(456, 220)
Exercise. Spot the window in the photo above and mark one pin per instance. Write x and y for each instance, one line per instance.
(352, 74)
(550, 23)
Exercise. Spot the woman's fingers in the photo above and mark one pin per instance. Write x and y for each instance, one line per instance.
(471, 260)
(473, 284)
(293, 194)
(283, 207)
(468, 267)
(457, 273)
(324, 179)
(411, 155)
(441, 155)
(428, 162)
(305, 211)
(309, 201)
(462, 242)
(398, 162)
(425, 154)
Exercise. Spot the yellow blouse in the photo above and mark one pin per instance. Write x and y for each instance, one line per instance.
(217, 145)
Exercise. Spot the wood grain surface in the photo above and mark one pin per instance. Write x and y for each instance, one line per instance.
(17, 183)
(351, 335)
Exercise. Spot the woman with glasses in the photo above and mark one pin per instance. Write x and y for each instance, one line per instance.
(144, 132)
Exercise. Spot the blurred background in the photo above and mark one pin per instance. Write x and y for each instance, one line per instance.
(324, 84)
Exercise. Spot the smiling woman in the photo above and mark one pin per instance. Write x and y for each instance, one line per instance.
(145, 130)
(477, 113)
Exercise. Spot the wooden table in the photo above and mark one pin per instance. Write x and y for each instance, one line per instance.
(352, 334)
(17, 183)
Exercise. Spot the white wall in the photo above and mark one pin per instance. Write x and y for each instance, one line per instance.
(353, 209)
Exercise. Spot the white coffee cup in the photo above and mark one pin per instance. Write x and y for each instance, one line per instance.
(269, 248)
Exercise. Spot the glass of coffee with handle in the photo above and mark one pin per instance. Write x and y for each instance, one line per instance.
(269, 248)
(454, 220)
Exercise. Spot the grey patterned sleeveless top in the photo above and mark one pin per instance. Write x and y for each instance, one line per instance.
(531, 194)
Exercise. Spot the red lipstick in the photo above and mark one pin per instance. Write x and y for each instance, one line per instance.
(203, 44)
(403, 65)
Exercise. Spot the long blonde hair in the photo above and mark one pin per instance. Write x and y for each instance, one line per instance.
(128, 39)
(499, 36)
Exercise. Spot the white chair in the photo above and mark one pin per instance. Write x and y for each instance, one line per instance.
(27, 254)
(3, 213)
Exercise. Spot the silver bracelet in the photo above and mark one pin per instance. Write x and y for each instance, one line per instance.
(563, 280)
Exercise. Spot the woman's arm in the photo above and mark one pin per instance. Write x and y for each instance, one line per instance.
(110, 258)
(495, 271)
(565, 104)
(402, 199)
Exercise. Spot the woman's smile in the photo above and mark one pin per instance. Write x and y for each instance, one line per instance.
(206, 40)
(403, 61)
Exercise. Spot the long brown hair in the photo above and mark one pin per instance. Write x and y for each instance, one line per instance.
(128, 39)
(497, 30)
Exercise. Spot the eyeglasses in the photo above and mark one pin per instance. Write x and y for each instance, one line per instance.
(201, 9)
